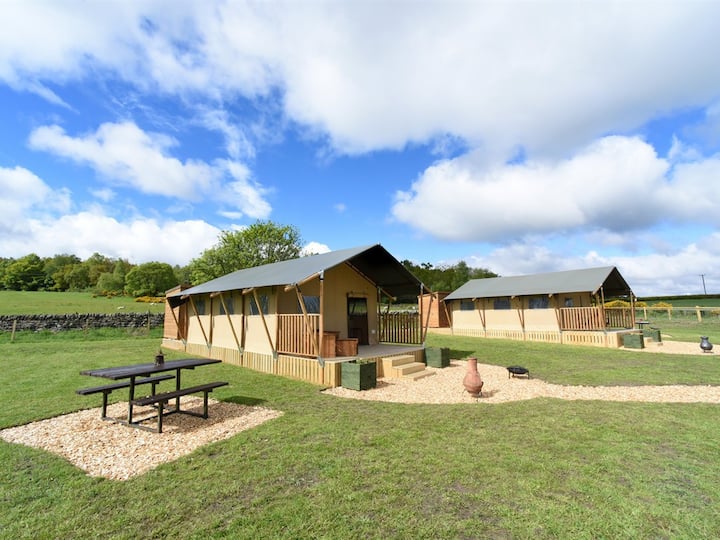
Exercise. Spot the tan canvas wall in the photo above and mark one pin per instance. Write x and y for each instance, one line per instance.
(342, 282)
(542, 320)
(339, 284)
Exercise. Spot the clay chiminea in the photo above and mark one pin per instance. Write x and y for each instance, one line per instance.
(159, 358)
(472, 381)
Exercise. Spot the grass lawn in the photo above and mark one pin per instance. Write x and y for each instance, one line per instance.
(44, 302)
(335, 468)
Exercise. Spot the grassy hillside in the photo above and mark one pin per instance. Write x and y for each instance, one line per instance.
(41, 302)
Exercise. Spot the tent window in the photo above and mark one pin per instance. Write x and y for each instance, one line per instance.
(263, 302)
(568, 302)
(312, 304)
(229, 304)
(200, 306)
(538, 302)
(501, 303)
(467, 305)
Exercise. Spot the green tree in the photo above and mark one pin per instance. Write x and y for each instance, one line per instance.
(108, 283)
(150, 279)
(97, 264)
(4, 263)
(25, 274)
(446, 278)
(54, 266)
(263, 242)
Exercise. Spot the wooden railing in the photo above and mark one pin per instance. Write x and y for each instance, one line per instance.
(582, 318)
(294, 336)
(595, 318)
(400, 328)
(619, 317)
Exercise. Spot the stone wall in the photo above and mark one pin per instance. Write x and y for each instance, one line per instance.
(80, 321)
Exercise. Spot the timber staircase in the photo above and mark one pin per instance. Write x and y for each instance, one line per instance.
(404, 367)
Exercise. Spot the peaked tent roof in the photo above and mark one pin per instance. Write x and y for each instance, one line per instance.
(569, 281)
(374, 262)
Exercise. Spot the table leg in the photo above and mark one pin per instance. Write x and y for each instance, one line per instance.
(177, 387)
(130, 401)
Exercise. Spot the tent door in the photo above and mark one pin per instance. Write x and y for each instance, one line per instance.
(357, 311)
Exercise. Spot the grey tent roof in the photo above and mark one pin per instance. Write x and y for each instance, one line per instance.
(374, 262)
(569, 281)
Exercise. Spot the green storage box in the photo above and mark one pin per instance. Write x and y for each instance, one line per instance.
(633, 341)
(358, 375)
(652, 333)
(438, 357)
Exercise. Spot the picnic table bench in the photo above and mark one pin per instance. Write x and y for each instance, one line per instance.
(147, 373)
(162, 399)
(108, 388)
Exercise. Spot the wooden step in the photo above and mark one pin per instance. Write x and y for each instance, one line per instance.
(398, 360)
(418, 375)
(389, 363)
(407, 369)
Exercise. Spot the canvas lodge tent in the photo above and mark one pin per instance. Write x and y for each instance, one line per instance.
(300, 318)
(556, 307)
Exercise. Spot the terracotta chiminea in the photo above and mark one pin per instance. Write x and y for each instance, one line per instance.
(472, 381)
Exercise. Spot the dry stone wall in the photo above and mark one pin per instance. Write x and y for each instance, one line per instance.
(73, 321)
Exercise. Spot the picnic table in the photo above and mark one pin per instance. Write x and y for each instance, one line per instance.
(152, 373)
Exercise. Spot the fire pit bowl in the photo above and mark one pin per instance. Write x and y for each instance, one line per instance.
(514, 371)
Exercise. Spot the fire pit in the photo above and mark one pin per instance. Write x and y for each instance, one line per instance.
(514, 371)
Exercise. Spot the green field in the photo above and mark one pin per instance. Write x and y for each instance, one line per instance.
(338, 468)
(42, 302)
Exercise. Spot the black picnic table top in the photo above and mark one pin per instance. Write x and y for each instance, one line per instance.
(125, 372)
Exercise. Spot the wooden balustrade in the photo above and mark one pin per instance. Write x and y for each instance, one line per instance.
(294, 336)
(619, 317)
(582, 318)
(595, 318)
(400, 328)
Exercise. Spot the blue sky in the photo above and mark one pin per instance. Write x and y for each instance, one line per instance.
(517, 136)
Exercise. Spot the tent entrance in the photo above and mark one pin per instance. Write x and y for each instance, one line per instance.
(357, 314)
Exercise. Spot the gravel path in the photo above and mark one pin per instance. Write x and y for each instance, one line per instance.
(119, 452)
(445, 386)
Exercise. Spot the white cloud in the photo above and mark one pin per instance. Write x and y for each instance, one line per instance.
(24, 195)
(138, 240)
(545, 76)
(125, 155)
(614, 184)
(674, 272)
(314, 248)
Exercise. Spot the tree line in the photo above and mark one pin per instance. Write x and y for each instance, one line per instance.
(261, 243)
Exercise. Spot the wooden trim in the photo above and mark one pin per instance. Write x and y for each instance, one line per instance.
(262, 317)
(521, 313)
(229, 319)
(321, 326)
(290, 286)
(177, 323)
(308, 326)
(197, 316)
(482, 313)
(424, 331)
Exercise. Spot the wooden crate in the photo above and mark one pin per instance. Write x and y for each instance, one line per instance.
(346, 347)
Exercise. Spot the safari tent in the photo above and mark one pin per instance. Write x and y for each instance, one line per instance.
(556, 307)
(300, 318)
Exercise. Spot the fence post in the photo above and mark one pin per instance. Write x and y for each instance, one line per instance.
(699, 313)
(12, 335)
